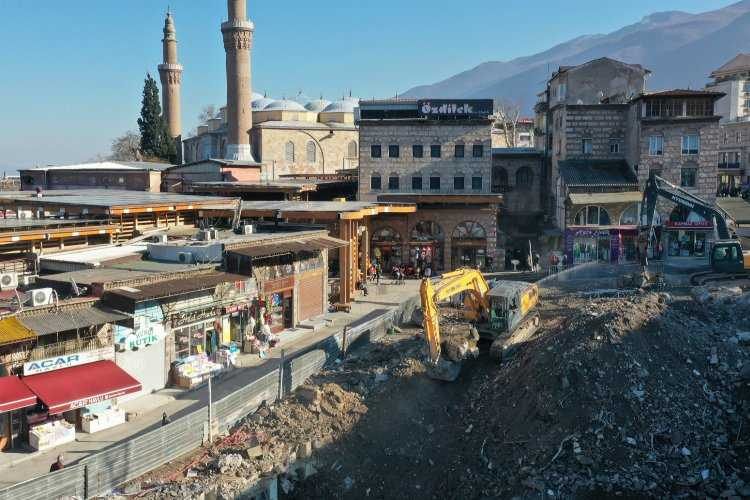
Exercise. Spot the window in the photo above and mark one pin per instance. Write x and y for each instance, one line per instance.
(352, 149)
(476, 183)
(663, 108)
(700, 107)
(417, 151)
(375, 183)
(435, 151)
(629, 216)
(416, 183)
(656, 145)
(435, 183)
(726, 137)
(459, 151)
(592, 215)
(478, 151)
(458, 183)
(723, 158)
(524, 177)
(311, 150)
(499, 180)
(393, 151)
(691, 144)
(614, 147)
(289, 152)
(393, 183)
(375, 151)
(562, 89)
(587, 146)
(738, 137)
(687, 176)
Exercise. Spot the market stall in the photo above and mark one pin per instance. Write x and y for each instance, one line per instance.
(14, 395)
(194, 370)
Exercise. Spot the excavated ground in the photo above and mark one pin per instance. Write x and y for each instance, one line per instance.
(642, 396)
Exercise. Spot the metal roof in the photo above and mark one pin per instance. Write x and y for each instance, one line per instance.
(90, 276)
(104, 165)
(108, 198)
(35, 223)
(307, 206)
(737, 208)
(597, 173)
(12, 331)
(319, 243)
(177, 286)
(63, 320)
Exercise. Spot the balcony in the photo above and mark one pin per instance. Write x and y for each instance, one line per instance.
(729, 166)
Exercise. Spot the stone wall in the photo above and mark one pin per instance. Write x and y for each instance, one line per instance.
(405, 135)
(519, 198)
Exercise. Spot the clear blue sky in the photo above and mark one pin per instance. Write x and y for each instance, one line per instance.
(71, 72)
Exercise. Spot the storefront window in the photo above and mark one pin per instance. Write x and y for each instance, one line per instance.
(386, 247)
(592, 215)
(426, 245)
(469, 246)
(630, 216)
(686, 244)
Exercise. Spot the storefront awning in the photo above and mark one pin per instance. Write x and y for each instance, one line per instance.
(14, 394)
(599, 198)
(82, 385)
(12, 331)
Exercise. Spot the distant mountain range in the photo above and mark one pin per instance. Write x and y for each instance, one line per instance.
(680, 48)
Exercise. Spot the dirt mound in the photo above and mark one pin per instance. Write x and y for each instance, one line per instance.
(634, 395)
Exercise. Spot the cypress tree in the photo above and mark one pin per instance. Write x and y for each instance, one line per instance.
(155, 140)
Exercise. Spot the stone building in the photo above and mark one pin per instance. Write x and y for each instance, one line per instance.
(437, 154)
(129, 175)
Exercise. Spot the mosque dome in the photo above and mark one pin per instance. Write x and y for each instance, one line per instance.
(317, 105)
(260, 103)
(284, 105)
(342, 106)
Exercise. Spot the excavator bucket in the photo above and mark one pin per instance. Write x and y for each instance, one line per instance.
(444, 370)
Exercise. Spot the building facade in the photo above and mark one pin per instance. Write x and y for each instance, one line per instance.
(132, 176)
(437, 154)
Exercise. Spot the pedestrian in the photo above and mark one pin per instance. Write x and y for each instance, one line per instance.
(428, 271)
(564, 260)
(377, 272)
(59, 464)
(164, 419)
(537, 258)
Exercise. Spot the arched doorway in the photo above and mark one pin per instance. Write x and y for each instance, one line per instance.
(426, 242)
(469, 246)
(386, 247)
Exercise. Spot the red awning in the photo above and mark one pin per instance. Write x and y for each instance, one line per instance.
(14, 394)
(82, 385)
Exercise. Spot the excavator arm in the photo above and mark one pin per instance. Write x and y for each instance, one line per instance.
(656, 187)
(475, 303)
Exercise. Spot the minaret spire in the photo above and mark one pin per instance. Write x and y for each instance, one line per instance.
(170, 72)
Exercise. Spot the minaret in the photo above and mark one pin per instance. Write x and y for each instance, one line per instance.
(238, 40)
(170, 72)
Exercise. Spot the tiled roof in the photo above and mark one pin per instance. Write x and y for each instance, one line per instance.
(597, 173)
(738, 63)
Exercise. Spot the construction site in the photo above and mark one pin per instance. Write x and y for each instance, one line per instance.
(633, 392)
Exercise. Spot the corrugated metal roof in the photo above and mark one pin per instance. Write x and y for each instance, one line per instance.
(63, 320)
(108, 198)
(597, 173)
(319, 243)
(12, 331)
(176, 287)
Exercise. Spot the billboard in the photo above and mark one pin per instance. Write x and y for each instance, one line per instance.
(454, 108)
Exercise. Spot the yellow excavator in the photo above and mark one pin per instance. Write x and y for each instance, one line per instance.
(494, 313)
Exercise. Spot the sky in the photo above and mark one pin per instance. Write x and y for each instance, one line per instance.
(71, 72)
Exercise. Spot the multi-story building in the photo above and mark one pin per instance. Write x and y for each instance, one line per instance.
(733, 79)
(437, 154)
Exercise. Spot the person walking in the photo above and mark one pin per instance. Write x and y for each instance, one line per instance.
(377, 272)
(59, 464)
(164, 419)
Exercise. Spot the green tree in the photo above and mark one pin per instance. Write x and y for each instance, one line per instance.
(155, 140)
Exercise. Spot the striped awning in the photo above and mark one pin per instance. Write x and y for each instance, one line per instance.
(12, 331)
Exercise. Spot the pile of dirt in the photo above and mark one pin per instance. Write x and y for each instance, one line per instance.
(645, 396)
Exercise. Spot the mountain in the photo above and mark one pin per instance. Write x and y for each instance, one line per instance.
(680, 48)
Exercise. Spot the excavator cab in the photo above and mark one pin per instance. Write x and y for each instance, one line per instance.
(727, 257)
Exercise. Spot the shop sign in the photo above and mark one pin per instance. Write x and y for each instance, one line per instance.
(187, 317)
(452, 108)
(698, 224)
(589, 233)
(147, 333)
(235, 308)
(278, 285)
(66, 361)
(81, 403)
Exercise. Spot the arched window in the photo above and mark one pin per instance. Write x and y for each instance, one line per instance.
(469, 230)
(524, 177)
(592, 215)
(499, 180)
(630, 216)
(427, 230)
(386, 235)
(311, 150)
(289, 152)
(353, 151)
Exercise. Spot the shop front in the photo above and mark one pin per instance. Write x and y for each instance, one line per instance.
(15, 396)
(426, 246)
(277, 303)
(687, 234)
(197, 336)
(82, 397)
(613, 244)
(387, 248)
(469, 246)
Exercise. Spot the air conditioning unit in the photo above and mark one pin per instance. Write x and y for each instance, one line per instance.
(185, 257)
(161, 238)
(8, 281)
(41, 297)
(248, 229)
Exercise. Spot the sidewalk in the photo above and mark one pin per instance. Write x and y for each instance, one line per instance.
(16, 467)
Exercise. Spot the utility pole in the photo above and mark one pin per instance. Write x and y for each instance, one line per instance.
(210, 409)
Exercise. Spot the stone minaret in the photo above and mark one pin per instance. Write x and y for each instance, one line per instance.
(238, 40)
(170, 72)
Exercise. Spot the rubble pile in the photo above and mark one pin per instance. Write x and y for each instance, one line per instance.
(643, 396)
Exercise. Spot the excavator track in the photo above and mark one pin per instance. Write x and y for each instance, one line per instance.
(503, 347)
(703, 278)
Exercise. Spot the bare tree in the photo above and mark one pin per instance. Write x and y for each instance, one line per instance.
(506, 117)
(127, 147)
(208, 112)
